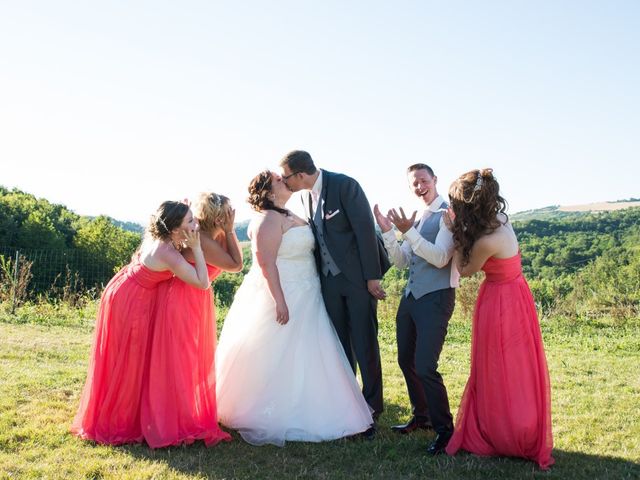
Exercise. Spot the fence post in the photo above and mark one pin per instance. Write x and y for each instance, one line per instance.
(15, 283)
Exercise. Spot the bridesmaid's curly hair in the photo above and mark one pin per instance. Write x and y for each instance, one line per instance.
(260, 191)
(476, 202)
(210, 209)
(167, 218)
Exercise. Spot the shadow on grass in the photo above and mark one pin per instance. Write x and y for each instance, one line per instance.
(389, 455)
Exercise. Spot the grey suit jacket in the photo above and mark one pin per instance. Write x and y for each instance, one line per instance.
(349, 228)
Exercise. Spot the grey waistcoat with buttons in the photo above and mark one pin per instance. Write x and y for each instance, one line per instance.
(423, 277)
(328, 264)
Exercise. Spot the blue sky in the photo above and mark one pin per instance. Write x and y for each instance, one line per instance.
(112, 107)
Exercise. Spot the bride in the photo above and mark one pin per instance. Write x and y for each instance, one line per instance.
(281, 371)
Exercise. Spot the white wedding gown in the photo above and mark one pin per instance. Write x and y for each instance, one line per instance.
(286, 382)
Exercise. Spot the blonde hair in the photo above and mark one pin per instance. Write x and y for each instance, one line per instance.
(210, 209)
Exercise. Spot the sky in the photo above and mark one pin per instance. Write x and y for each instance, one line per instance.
(113, 107)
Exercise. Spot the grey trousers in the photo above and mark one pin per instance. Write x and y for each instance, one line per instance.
(353, 312)
(421, 328)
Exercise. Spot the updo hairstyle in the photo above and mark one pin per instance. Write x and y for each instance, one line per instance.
(211, 210)
(260, 191)
(167, 218)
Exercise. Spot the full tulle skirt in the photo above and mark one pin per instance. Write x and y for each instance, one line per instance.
(109, 410)
(289, 382)
(179, 400)
(506, 406)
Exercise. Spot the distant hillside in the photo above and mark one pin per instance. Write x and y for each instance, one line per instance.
(241, 230)
(240, 227)
(572, 211)
(126, 226)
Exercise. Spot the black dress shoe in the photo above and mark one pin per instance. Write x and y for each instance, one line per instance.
(411, 425)
(439, 444)
(369, 433)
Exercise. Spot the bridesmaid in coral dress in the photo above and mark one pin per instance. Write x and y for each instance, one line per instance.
(179, 401)
(109, 410)
(506, 405)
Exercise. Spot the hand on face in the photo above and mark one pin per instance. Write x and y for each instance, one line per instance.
(449, 217)
(401, 221)
(192, 238)
(383, 221)
(229, 219)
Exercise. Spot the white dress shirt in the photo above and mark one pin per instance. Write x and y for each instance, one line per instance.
(316, 190)
(437, 253)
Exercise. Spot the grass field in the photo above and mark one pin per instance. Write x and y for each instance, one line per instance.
(595, 374)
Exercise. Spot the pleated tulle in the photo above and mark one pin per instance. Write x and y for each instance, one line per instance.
(286, 382)
(109, 410)
(179, 400)
(506, 406)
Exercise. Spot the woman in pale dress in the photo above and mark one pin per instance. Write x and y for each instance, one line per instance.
(281, 372)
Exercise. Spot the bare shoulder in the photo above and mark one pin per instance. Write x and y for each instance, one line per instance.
(167, 253)
(486, 245)
(158, 255)
(268, 222)
(505, 243)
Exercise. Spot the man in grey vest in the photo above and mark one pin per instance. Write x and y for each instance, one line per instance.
(349, 263)
(427, 304)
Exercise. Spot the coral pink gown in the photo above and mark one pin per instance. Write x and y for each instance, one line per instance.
(506, 405)
(179, 401)
(109, 410)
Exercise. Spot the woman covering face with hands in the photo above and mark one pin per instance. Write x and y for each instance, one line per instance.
(109, 410)
(179, 401)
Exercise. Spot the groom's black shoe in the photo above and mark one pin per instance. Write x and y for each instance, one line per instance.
(412, 425)
(369, 433)
(439, 444)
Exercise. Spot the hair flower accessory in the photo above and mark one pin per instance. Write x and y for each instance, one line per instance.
(479, 181)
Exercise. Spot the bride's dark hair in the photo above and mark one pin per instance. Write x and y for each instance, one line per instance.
(260, 190)
(476, 202)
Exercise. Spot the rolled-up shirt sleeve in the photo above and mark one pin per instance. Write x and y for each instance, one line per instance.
(437, 253)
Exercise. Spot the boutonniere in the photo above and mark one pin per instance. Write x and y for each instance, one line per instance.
(331, 214)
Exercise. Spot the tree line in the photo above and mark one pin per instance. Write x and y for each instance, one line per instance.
(582, 264)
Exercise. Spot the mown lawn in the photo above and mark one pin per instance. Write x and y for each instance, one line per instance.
(595, 373)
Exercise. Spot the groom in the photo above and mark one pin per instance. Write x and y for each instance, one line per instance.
(349, 263)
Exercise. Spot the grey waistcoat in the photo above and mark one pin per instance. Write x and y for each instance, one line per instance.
(423, 277)
(327, 262)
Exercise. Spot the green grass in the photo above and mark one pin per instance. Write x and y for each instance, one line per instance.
(594, 370)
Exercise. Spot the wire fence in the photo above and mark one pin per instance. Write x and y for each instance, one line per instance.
(26, 273)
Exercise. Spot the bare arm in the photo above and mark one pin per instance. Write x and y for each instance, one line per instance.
(174, 261)
(224, 251)
(480, 253)
(231, 244)
(268, 236)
